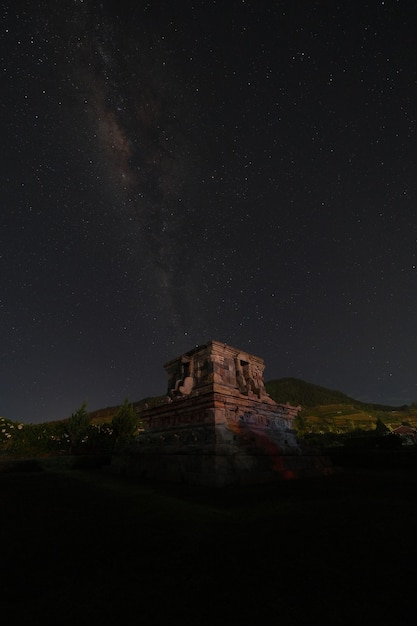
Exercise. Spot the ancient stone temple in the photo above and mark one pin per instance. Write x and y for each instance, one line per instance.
(218, 425)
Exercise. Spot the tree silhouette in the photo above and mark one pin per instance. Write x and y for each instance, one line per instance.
(125, 423)
(77, 427)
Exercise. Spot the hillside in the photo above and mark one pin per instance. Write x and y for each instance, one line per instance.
(103, 416)
(331, 411)
(296, 391)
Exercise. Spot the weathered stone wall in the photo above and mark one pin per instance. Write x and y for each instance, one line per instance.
(216, 367)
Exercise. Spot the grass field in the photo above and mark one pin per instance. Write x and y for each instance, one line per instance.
(347, 417)
(84, 547)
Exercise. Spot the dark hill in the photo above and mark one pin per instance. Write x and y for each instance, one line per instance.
(296, 391)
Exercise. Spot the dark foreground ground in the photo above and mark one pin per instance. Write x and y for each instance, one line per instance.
(83, 547)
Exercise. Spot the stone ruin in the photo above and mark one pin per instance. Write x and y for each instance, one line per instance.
(218, 426)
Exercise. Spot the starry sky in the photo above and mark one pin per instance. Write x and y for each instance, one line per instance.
(175, 172)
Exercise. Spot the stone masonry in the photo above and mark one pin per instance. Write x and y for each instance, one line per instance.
(218, 425)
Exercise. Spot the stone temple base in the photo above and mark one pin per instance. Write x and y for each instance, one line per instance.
(217, 440)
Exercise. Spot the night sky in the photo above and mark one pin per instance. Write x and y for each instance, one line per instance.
(175, 172)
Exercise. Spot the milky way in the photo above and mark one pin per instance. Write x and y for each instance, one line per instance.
(180, 171)
(134, 105)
